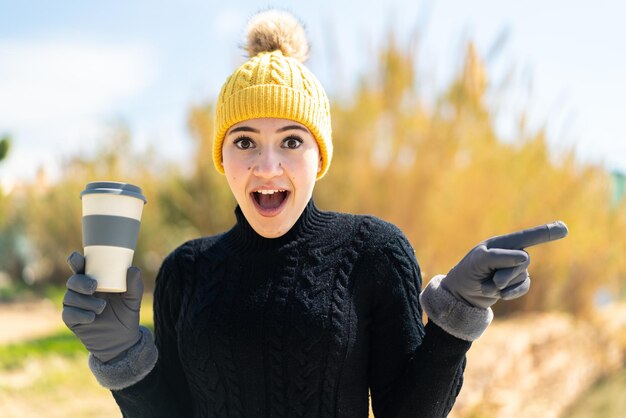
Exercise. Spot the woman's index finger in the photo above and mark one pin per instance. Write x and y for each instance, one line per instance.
(529, 237)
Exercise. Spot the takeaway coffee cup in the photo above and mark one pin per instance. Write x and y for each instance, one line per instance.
(111, 219)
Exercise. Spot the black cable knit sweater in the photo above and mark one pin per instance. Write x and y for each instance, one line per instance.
(297, 326)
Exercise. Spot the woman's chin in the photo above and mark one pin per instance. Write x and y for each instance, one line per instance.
(270, 229)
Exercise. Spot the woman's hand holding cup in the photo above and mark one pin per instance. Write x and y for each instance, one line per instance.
(106, 323)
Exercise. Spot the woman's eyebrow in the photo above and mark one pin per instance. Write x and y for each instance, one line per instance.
(290, 127)
(243, 129)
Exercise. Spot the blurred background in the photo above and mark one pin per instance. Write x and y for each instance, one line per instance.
(454, 120)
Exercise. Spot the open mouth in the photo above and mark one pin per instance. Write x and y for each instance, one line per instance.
(269, 202)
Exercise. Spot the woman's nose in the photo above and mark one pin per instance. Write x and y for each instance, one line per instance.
(268, 165)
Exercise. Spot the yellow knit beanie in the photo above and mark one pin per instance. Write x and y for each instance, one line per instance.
(274, 83)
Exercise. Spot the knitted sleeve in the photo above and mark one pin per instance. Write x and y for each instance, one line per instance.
(415, 371)
(164, 391)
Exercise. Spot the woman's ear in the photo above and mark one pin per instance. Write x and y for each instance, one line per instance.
(319, 165)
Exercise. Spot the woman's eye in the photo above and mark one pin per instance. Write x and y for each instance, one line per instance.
(244, 143)
(292, 142)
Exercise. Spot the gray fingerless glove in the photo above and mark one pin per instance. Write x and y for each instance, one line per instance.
(106, 323)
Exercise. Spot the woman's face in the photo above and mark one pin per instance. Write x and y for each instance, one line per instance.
(271, 165)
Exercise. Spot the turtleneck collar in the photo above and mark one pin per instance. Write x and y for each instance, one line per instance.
(243, 237)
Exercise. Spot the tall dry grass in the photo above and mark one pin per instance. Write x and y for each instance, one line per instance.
(439, 172)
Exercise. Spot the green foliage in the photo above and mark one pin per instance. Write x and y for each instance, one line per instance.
(13, 291)
(51, 214)
(63, 343)
(5, 145)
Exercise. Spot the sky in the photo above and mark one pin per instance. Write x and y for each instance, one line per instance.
(70, 71)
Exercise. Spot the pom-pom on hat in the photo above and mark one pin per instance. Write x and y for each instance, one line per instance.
(274, 83)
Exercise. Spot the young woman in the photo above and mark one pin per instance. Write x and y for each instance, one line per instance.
(294, 311)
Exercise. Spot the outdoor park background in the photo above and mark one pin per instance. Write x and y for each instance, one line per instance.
(436, 166)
